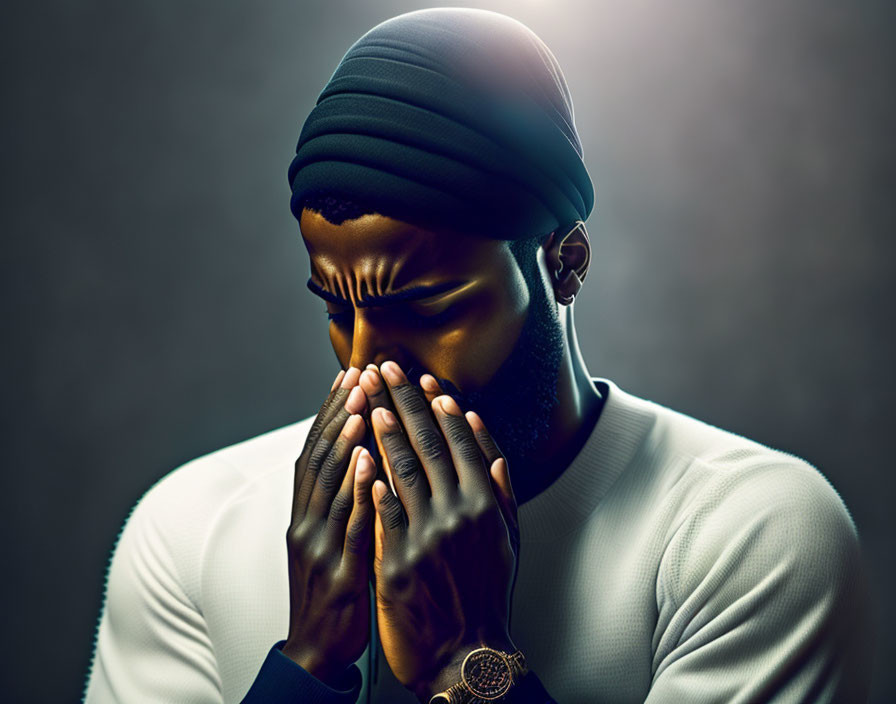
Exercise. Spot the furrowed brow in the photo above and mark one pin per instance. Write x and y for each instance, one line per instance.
(326, 295)
(367, 301)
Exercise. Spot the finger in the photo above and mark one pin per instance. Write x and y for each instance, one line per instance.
(377, 395)
(338, 380)
(339, 394)
(430, 387)
(506, 500)
(471, 469)
(390, 515)
(483, 438)
(332, 469)
(341, 506)
(360, 523)
(379, 536)
(498, 471)
(422, 431)
(405, 470)
(311, 463)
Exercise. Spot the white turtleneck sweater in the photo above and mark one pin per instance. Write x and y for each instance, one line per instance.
(671, 562)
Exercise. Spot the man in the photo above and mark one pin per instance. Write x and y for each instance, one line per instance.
(639, 555)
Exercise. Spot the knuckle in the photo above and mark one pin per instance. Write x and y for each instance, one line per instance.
(481, 509)
(405, 468)
(336, 423)
(301, 544)
(334, 457)
(340, 508)
(319, 453)
(456, 428)
(395, 576)
(414, 556)
(328, 479)
(428, 443)
(483, 438)
(297, 537)
(469, 453)
(452, 523)
(356, 540)
(429, 535)
(392, 513)
(319, 558)
(409, 399)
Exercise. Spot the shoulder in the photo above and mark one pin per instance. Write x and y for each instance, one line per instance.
(172, 521)
(708, 474)
(206, 483)
(736, 506)
(757, 517)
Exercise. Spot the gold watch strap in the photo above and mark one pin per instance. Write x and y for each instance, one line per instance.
(518, 665)
(459, 693)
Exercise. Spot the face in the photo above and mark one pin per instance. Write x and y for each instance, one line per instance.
(444, 302)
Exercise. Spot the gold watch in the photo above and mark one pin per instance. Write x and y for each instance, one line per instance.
(486, 675)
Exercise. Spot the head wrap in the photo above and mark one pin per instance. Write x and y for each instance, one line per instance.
(452, 116)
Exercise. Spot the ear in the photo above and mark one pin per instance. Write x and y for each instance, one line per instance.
(568, 257)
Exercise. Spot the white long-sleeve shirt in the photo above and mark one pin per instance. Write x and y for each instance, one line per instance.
(671, 562)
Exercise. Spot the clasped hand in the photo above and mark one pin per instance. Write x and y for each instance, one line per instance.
(444, 549)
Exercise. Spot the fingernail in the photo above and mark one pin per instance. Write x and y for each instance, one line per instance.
(371, 381)
(449, 405)
(386, 418)
(364, 467)
(338, 379)
(351, 425)
(371, 367)
(351, 378)
(474, 420)
(429, 383)
(356, 400)
(392, 373)
(379, 489)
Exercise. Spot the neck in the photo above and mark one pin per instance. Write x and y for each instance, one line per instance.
(571, 423)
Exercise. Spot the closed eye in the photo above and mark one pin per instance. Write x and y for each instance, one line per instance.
(340, 317)
(414, 317)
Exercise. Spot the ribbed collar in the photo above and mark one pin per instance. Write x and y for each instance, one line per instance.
(565, 505)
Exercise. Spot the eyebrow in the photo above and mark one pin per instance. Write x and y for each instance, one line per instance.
(366, 301)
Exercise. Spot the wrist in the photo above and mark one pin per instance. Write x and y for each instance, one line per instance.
(450, 673)
(318, 666)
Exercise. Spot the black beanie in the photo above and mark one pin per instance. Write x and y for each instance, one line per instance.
(452, 116)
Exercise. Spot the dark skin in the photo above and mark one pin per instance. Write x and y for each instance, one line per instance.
(445, 547)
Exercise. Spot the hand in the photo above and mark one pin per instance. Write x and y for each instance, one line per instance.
(446, 548)
(329, 538)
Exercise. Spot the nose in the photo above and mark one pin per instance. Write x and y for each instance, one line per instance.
(373, 345)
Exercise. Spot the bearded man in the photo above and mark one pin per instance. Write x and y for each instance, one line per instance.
(639, 555)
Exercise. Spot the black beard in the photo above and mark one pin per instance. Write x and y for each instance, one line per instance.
(517, 402)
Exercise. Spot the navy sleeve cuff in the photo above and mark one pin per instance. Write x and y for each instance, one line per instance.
(529, 690)
(282, 681)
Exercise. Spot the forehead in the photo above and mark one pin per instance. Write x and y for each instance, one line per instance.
(377, 245)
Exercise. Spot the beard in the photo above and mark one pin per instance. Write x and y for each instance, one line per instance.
(517, 403)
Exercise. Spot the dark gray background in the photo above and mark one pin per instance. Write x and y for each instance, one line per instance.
(153, 298)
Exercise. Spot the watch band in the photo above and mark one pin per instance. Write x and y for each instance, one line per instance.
(475, 687)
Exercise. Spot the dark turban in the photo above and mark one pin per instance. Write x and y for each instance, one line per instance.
(451, 116)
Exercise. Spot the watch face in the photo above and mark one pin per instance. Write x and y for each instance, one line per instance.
(487, 673)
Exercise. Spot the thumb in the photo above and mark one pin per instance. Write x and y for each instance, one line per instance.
(500, 476)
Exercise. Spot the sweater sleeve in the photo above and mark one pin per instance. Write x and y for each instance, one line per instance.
(530, 690)
(152, 644)
(282, 681)
(761, 595)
